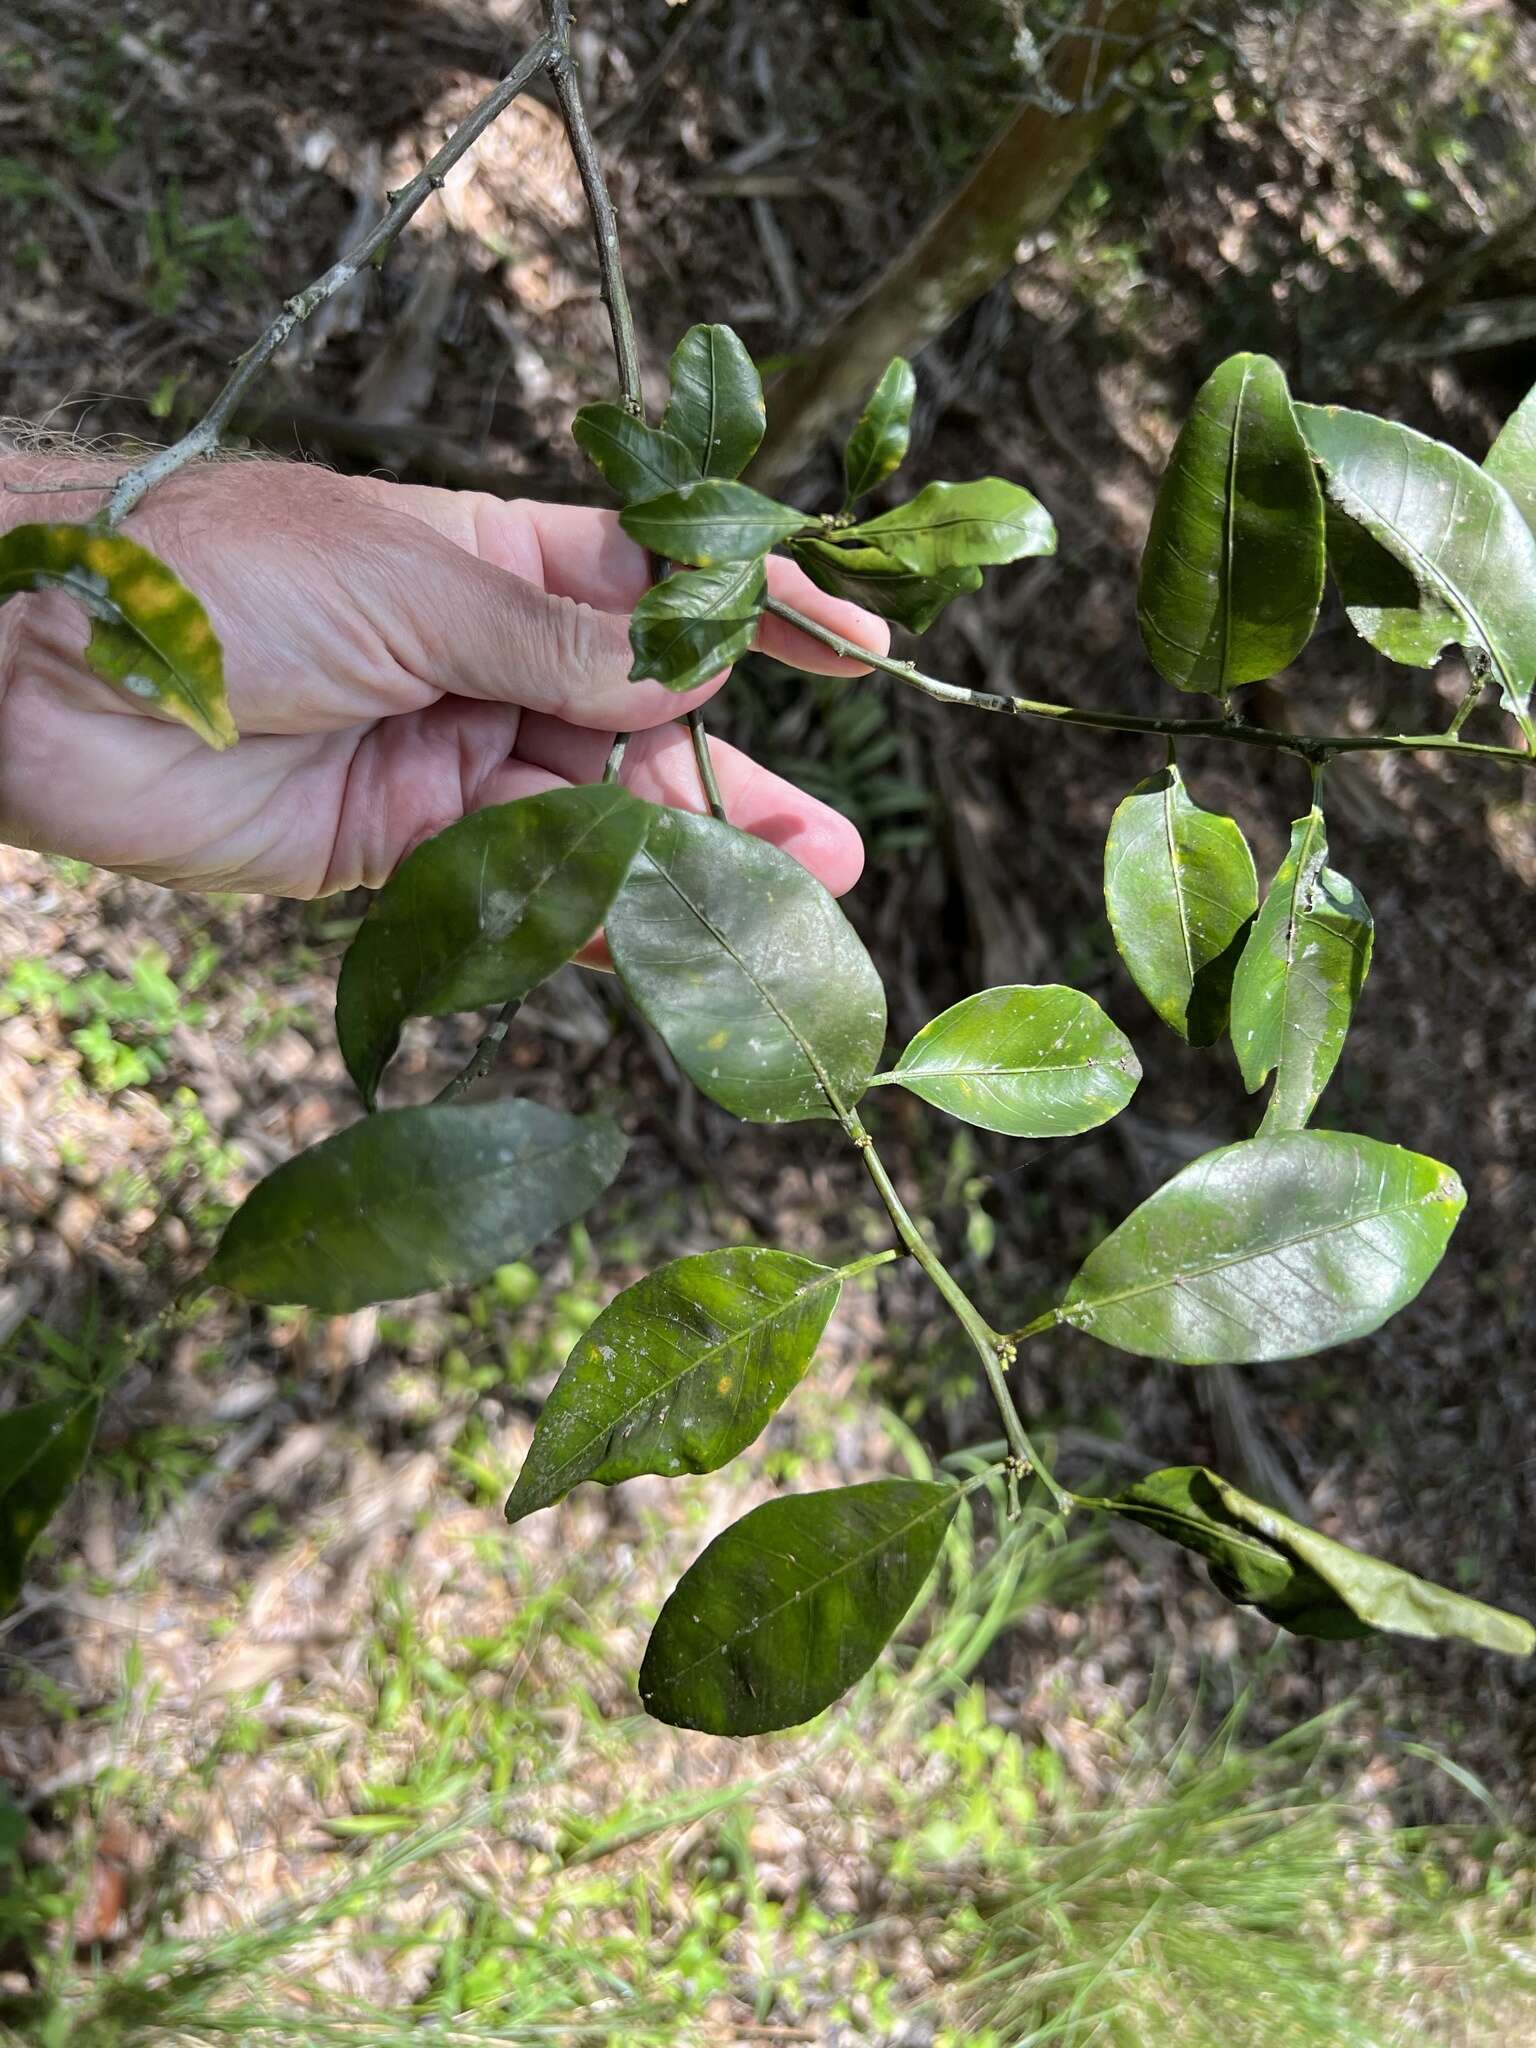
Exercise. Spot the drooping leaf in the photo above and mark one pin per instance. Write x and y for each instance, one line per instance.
(716, 408)
(150, 638)
(43, 1448)
(1399, 617)
(696, 622)
(481, 914)
(1511, 461)
(1180, 890)
(679, 1372)
(1454, 528)
(1299, 978)
(1032, 1062)
(1273, 1248)
(1305, 1582)
(878, 444)
(414, 1198)
(792, 1604)
(1232, 574)
(874, 579)
(639, 461)
(959, 526)
(708, 523)
(744, 964)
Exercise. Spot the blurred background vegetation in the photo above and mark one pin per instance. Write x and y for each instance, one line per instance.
(298, 1741)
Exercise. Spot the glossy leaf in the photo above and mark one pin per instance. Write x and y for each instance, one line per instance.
(696, 622)
(1457, 532)
(1511, 461)
(708, 523)
(716, 407)
(1232, 574)
(959, 526)
(1299, 978)
(877, 446)
(43, 1448)
(1386, 607)
(679, 1372)
(637, 460)
(481, 914)
(414, 1198)
(151, 638)
(1273, 1248)
(872, 578)
(792, 1604)
(1031, 1062)
(744, 964)
(1180, 890)
(1305, 1582)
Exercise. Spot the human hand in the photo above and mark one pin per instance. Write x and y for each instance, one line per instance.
(395, 657)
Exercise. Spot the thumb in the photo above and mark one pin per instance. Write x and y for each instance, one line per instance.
(466, 627)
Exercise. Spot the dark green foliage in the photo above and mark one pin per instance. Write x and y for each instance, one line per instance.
(414, 1198)
(789, 1606)
(481, 914)
(1233, 571)
(763, 994)
(713, 936)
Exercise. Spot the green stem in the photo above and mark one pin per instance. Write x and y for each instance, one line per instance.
(1048, 1321)
(870, 1261)
(706, 766)
(615, 759)
(1310, 746)
(1468, 704)
(991, 1348)
(483, 1058)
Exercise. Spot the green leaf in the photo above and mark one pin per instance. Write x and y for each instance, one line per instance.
(1453, 527)
(716, 408)
(708, 523)
(878, 444)
(151, 637)
(639, 461)
(744, 964)
(960, 526)
(1386, 607)
(1031, 1062)
(1299, 978)
(1273, 1248)
(792, 1604)
(694, 623)
(481, 914)
(414, 1198)
(1511, 461)
(679, 1372)
(1232, 574)
(1180, 890)
(1305, 1582)
(874, 579)
(43, 1448)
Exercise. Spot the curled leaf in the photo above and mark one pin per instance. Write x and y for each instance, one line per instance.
(150, 636)
(696, 622)
(707, 523)
(959, 526)
(1304, 1582)
(878, 443)
(639, 461)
